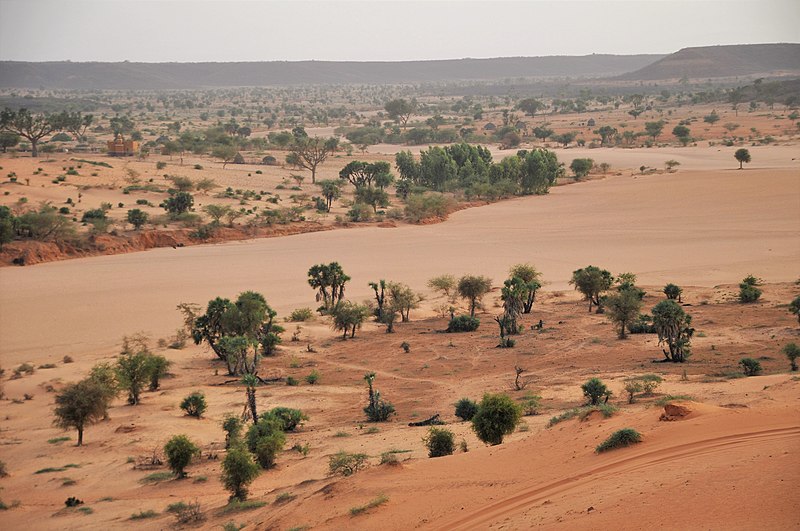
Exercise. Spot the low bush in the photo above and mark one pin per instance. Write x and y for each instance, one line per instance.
(312, 378)
(195, 404)
(607, 410)
(594, 390)
(290, 418)
(142, 515)
(179, 452)
(301, 315)
(466, 409)
(463, 323)
(346, 464)
(380, 500)
(619, 439)
(440, 442)
(497, 416)
(750, 366)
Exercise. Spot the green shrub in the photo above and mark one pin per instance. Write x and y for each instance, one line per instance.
(496, 417)
(430, 205)
(530, 404)
(233, 428)
(607, 410)
(346, 464)
(312, 378)
(792, 352)
(380, 500)
(466, 409)
(238, 471)
(377, 409)
(463, 323)
(750, 366)
(290, 418)
(594, 390)
(619, 439)
(195, 404)
(748, 293)
(440, 442)
(141, 515)
(265, 439)
(301, 315)
(292, 381)
(179, 452)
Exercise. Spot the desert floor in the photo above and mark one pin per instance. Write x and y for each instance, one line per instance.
(731, 464)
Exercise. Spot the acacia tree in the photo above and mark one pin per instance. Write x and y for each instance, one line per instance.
(581, 167)
(606, 133)
(329, 280)
(239, 332)
(364, 174)
(33, 127)
(623, 307)
(225, 153)
(530, 106)
(682, 133)
(400, 110)
(348, 317)
(402, 299)
(308, 153)
(654, 128)
(674, 329)
(473, 288)
(742, 155)
(532, 279)
(592, 281)
(80, 404)
(76, 123)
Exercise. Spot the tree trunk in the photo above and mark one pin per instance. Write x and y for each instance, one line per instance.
(80, 435)
(314, 174)
(251, 401)
(34, 147)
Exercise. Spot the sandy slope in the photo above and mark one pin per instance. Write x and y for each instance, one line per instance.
(700, 228)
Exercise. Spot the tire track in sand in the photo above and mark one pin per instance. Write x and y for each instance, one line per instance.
(494, 511)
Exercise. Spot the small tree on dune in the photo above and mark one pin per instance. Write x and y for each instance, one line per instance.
(180, 451)
(742, 155)
(78, 405)
(592, 281)
(497, 416)
(794, 308)
(792, 352)
(473, 288)
(238, 470)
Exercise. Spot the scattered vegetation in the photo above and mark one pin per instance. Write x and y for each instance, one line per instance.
(440, 442)
(619, 439)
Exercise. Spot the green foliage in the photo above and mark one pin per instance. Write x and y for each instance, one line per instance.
(595, 390)
(440, 442)
(377, 409)
(632, 387)
(313, 377)
(329, 280)
(80, 404)
(301, 315)
(750, 366)
(497, 416)
(748, 292)
(466, 409)
(178, 203)
(428, 205)
(581, 167)
(143, 515)
(290, 418)
(607, 410)
(619, 439)
(137, 218)
(463, 323)
(346, 464)
(380, 500)
(194, 404)
(265, 439)
(673, 326)
(348, 317)
(133, 369)
(623, 307)
(530, 404)
(792, 352)
(236, 505)
(742, 155)
(473, 288)
(673, 292)
(794, 307)
(238, 471)
(233, 429)
(179, 452)
(591, 282)
(446, 284)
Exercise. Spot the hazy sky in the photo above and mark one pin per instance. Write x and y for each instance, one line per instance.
(263, 30)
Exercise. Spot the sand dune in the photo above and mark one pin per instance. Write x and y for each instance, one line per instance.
(699, 228)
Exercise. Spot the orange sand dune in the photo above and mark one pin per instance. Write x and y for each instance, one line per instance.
(699, 228)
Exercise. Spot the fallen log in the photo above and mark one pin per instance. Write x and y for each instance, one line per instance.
(432, 421)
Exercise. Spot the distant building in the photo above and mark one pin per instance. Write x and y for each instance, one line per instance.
(119, 147)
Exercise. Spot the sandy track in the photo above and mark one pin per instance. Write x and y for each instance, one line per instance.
(494, 512)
